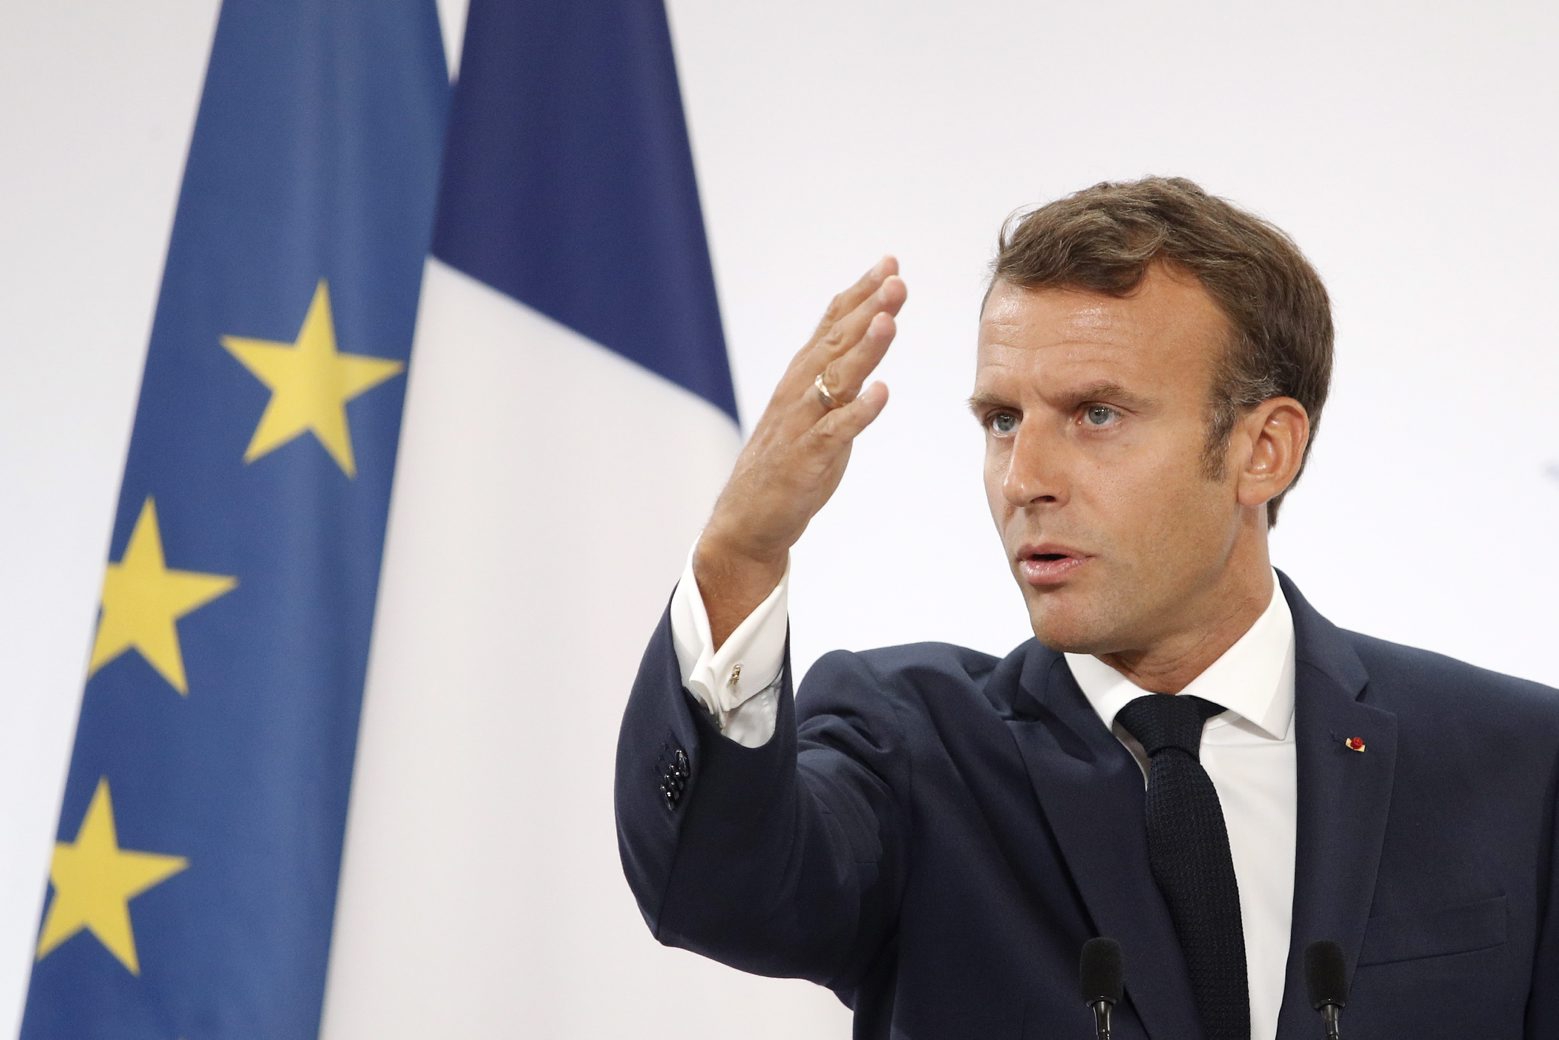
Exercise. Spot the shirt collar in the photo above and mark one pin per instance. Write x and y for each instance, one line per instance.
(1253, 679)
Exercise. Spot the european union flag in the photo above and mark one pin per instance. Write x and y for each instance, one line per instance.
(193, 884)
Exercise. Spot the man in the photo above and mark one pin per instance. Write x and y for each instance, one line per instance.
(934, 833)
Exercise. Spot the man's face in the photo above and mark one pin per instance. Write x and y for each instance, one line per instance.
(1095, 412)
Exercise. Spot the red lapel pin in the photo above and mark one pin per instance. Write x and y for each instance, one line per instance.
(1354, 744)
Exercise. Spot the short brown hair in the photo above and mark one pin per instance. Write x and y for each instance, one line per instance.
(1105, 239)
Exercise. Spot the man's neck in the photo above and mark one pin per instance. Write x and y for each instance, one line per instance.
(1171, 664)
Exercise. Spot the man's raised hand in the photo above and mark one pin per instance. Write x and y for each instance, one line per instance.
(798, 450)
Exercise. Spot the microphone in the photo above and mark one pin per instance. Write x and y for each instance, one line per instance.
(1326, 975)
(1101, 970)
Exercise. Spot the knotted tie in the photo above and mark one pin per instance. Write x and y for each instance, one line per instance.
(1188, 850)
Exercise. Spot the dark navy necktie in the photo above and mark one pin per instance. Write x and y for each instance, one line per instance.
(1188, 850)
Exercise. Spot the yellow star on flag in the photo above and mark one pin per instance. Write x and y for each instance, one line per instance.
(94, 880)
(142, 599)
(310, 383)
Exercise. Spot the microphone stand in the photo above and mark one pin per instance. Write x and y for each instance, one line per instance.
(1101, 1020)
(1101, 969)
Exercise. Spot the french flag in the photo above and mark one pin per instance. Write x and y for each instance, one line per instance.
(569, 421)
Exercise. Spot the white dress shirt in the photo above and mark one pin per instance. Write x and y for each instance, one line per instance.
(1248, 750)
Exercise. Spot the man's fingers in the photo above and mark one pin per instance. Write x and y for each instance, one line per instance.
(798, 451)
(841, 339)
(845, 374)
(845, 333)
(845, 422)
(852, 297)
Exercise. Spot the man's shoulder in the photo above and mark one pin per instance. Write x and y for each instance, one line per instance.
(1411, 680)
(924, 674)
(910, 656)
(910, 662)
(1402, 677)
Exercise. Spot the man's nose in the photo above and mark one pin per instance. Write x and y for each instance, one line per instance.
(1036, 468)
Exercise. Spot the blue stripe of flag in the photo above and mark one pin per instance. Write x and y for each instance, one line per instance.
(569, 186)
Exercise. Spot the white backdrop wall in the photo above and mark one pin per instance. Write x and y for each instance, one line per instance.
(1411, 151)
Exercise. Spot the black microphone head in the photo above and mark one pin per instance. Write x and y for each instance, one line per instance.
(1326, 974)
(1102, 970)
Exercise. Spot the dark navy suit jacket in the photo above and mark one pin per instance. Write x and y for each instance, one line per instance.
(933, 833)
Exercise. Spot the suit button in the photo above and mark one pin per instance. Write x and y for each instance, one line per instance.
(674, 776)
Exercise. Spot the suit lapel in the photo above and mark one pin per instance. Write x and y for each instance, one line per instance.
(1344, 797)
(1091, 792)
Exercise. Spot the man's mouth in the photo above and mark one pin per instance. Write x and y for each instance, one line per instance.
(1048, 565)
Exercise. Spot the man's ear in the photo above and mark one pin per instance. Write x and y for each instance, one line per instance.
(1272, 438)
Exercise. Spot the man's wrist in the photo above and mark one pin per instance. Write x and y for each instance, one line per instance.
(732, 583)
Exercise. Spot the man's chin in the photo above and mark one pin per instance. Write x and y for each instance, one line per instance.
(1067, 633)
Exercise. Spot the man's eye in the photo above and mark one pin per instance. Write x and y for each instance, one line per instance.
(1099, 415)
(1002, 422)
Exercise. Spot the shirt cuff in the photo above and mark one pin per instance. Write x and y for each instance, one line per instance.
(747, 664)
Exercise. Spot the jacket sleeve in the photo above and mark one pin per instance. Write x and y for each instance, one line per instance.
(785, 859)
(1542, 1017)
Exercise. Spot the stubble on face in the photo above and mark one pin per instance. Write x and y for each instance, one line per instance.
(1096, 411)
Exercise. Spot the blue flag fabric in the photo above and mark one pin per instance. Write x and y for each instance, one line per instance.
(194, 878)
(569, 184)
(569, 423)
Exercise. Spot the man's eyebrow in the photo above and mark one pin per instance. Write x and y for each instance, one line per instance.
(1104, 390)
(982, 400)
(1100, 390)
